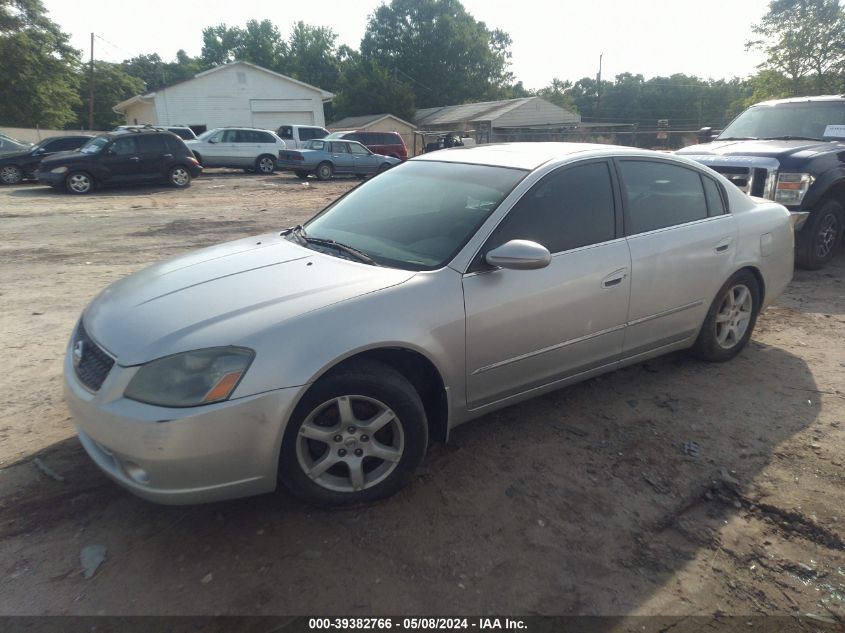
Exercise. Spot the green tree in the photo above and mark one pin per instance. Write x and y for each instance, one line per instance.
(37, 68)
(260, 43)
(801, 38)
(365, 87)
(112, 84)
(557, 92)
(155, 72)
(443, 53)
(310, 55)
(220, 45)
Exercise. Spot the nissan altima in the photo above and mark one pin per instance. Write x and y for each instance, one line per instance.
(328, 356)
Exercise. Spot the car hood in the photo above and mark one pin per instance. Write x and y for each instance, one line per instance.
(769, 149)
(223, 295)
(8, 157)
(59, 158)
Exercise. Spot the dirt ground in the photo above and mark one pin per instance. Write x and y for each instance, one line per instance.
(672, 487)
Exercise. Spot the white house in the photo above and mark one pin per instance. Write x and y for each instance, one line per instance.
(236, 94)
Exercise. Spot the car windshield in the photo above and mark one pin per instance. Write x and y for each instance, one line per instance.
(95, 145)
(205, 135)
(314, 145)
(809, 119)
(417, 216)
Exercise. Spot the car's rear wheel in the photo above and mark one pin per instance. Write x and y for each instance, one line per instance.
(358, 435)
(818, 239)
(730, 319)
(324, 171)
(301, 174)
(265, 164)
(79, 183)
(11, 175)
(179, 177)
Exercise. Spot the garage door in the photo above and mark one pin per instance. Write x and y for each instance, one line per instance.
(272, 120)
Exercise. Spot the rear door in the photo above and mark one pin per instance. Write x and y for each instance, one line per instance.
(682, 249)
(155, 156)
(342, 159)
(529, 328)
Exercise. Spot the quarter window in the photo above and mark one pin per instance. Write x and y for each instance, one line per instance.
(570, 208)
(715, 202)
(661, 195)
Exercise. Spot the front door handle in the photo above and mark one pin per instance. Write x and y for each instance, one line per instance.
(135, 159)
(615, 278)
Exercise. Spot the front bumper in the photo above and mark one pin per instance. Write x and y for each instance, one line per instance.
(180, 456)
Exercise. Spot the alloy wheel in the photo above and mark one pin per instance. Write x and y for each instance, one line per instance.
(80, 183)
(350, 443)
(827, 235)
(734, 316)
(266, 166)
(179, 176)
(11, 175)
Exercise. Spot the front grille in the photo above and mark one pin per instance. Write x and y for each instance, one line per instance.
(753, 175)
(90, 362)
(742, 177)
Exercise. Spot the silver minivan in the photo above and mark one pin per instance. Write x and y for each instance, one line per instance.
(249, 149)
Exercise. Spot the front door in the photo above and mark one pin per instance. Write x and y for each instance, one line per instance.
(122, 160)
(682, 249)
(529, 328)
(364, 160)
(341, 157)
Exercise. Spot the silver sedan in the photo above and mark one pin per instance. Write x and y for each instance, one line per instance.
(329, 356)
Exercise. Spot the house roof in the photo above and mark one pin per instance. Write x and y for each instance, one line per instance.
(482, 111)
(357, 122)
(325, 95)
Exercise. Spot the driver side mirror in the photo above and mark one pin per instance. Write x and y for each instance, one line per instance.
(519, 255)
(212, 140)
(110, 151)
(39, 151)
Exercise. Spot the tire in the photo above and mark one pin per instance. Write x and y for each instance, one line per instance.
(301, 174)
(11, 175)
(730, 319)
(324, 171)
(179, 177)
(320, 429)
(265, 164)
(79, 183)
(816, 242)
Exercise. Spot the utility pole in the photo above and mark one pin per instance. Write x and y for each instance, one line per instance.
(91, 94)
(598, 88)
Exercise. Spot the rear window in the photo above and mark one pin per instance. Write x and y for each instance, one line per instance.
(285, 131)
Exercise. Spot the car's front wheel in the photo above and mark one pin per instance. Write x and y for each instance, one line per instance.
(358, 435)
(179, 177)
(11, 175)
(79, 183)
(730, 319)
(817, 240)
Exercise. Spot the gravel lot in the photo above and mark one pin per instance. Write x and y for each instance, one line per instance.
(579, 502)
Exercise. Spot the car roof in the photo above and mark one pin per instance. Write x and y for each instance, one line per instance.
(530, 155)
(772, 102)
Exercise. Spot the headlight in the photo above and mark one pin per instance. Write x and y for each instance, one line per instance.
(58, 170)
(792, 188)
(191, 378)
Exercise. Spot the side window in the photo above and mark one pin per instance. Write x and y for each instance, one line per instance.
(125, 146)
(285, 132)
(317, 145)
(64, 144)
(306, 133)
(713, 193)
(231, 136)
(661, 195)
(243, 136)
(152, 144)
(570, 208)
(354, 148)
(339, 148)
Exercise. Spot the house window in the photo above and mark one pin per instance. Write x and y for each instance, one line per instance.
(241, 77)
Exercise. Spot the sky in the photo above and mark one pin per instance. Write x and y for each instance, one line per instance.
(551, 38)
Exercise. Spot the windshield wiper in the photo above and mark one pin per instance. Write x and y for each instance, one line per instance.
(736, 138)
(792, 138)
(303, 239)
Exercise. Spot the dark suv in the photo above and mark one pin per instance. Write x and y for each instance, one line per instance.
(791, 151)
(18, 166)
(386, 143)
(122, 157)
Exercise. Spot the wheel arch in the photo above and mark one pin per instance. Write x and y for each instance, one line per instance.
(758, 275)
(415, 367)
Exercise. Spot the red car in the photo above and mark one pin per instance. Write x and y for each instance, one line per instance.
(386, 143)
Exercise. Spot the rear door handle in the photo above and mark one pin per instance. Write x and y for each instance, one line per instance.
(135, 159)
(615, 278)
(167, 155)
(724, 245)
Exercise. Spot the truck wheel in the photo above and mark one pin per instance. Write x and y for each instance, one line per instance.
(817, 240)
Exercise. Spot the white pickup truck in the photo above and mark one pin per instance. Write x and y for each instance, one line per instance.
(295, 136)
